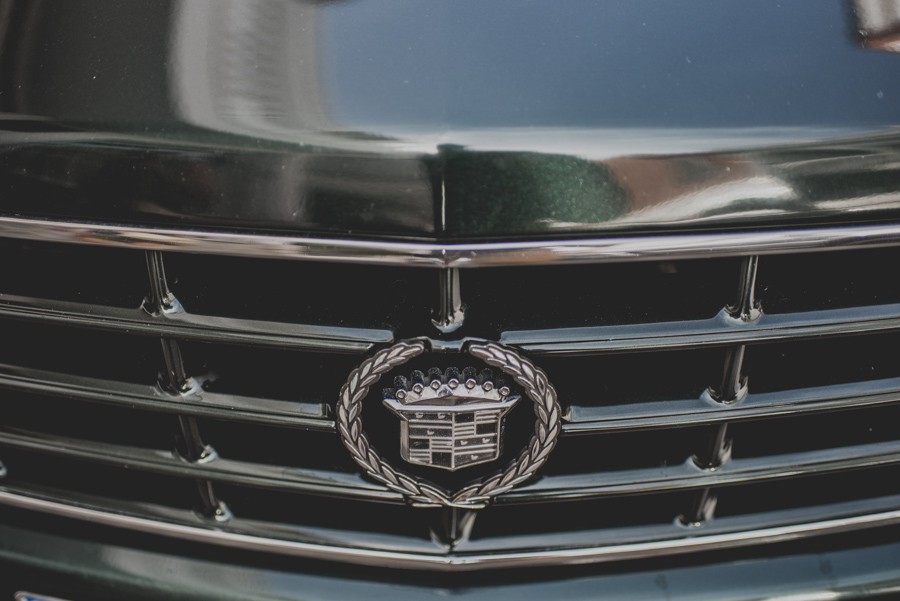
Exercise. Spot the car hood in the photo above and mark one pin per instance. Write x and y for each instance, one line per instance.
(460, 120)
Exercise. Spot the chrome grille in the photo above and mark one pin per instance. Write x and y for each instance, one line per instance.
(190, 395)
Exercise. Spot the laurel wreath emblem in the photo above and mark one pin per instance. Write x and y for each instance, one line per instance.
(421, 492)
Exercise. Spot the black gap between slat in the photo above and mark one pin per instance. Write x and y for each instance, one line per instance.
(808, 491)
(828, 280)
(612, 451)
(81, 351)
(822, 362)
(604, 380)
(303, 292)
(85, 477)
(269, 373)
(276, 446)
(527, 298)
(325, 512)
(811, 432)
(88, 421)
(575, 516)
(73, 273)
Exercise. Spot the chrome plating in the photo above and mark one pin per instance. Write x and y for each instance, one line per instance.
(448, 426)
(443, 256)
(418, 491)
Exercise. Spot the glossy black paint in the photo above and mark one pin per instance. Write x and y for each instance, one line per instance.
(455, 120)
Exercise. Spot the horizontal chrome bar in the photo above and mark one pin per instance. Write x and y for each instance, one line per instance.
(490, 553)
(719, 330)
(548, 488)
(688, 475)
(310, 416)
(194, 327)
(215, 469)
(450, 255)
(656, 414)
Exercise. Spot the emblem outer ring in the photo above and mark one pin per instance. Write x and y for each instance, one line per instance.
(418, 491)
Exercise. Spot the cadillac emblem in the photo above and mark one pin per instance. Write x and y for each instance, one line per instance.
(450, 419)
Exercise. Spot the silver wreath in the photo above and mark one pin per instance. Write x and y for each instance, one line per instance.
(421, 492)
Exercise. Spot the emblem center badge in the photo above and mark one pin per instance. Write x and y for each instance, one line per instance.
(450, 420)
(440, 417)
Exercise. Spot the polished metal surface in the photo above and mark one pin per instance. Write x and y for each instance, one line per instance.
(451, 311)
(686, 475)
(208, 467)
(197, 402)
(461, 255)
(450, 419)
(817, 573)
(705, 409)
(185, 325)
(482, 490)
(719, 330)
(526, 551)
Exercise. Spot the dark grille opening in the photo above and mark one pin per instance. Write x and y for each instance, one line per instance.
(89, 421)
(519, 298)
(808, 491)
(815, 431)
(321, 512)
(276, 446)
(81, 274)
(81, 352)
(821, 362)
(275, 374)
(575, 516)
(603, 380)
(83, 477)
(834, 280)
(303, 292)
(627, 450)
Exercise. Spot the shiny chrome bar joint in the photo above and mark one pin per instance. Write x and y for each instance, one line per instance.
(746, 308)
(715, 451)
(452, 526)
(457, 255)
(161, 300)
(188, 442)
(451, 312)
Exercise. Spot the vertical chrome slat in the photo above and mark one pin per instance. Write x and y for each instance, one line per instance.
(453, 526)
(716, 449)
(177, 381)
(450, 313)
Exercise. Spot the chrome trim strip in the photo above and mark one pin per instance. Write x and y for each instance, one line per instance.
(687, 475)
(719, 330)
(214, 468)
(452, 255)
(195, 327)
(682, 412)
(843, 518)
(547, 488)
(197, 402)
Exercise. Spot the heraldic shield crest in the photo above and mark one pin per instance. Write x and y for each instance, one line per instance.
(449, 419)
